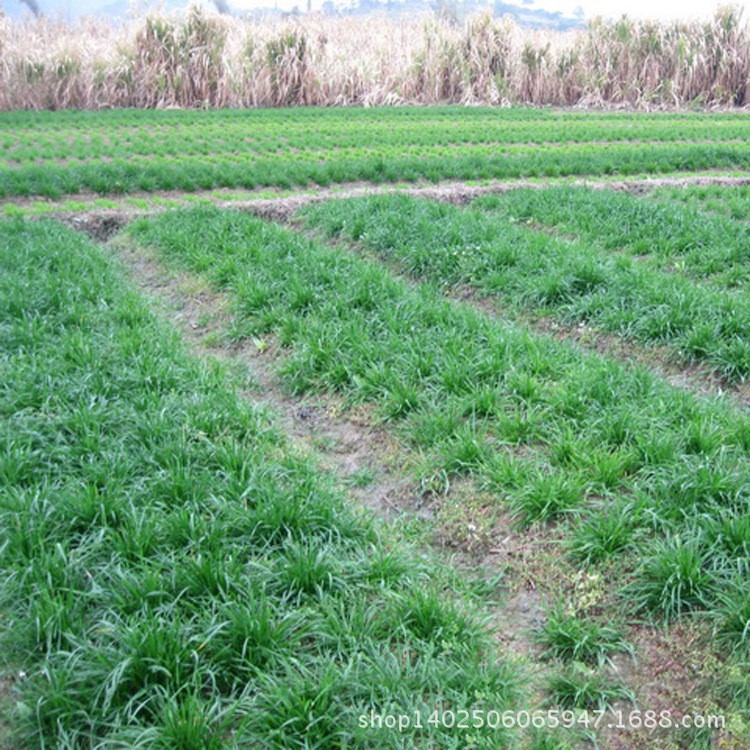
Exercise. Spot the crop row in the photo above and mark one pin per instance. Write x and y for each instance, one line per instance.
(159, 147)
(355, 117)
(257, 133)
(573, 281)
(174, 574)
(732, 202)
(317, 153)
(643, 473)
(372, 165)
(674, 238)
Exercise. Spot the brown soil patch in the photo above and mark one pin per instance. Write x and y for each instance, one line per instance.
(668, 675)
(7, 680)
(282, 208)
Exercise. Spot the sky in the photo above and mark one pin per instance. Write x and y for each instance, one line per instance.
(683, 9)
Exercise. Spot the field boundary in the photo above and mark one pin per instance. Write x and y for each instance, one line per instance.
(103, 223)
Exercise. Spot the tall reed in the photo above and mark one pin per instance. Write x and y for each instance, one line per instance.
(199, 59)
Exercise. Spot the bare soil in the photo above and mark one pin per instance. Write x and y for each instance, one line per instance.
(283, 207)
(7, 680)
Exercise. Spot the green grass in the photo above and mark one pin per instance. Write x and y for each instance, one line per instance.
(571, 638)
(174, 574)
(730, 201)
(572, 281)
(554, 433)
(675, 238)
(53, 154)
(578, 687)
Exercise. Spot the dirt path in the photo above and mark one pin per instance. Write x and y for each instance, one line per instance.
(104, 223)
(461, 193)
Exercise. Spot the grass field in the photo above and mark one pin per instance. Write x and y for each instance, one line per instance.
(55, 154)
(552, 380)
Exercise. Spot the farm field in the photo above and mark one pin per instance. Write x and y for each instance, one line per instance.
(271, 466)
(69, 153)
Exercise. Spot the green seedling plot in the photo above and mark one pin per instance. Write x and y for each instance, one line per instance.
(677, 239)
(573, 281)
(55, 154)
(733, 202)
(553, 432)
(175, 575)
(178, 574)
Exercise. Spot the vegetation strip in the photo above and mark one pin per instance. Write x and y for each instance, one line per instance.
(573, 281)
(330, 60)
(175, 574)
(553, 431)
(678, 239)
(732, 201)
(45, 153)
(190, 174)
(647, 476)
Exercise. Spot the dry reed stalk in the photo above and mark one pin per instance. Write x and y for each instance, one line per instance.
(204, 60)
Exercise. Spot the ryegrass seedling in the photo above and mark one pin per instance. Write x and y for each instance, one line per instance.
(579, 687)
(571, 638)
(604, 534)
(674, 579)
(546, 496)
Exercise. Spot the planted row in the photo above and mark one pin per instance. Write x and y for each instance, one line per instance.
(642, 471)
(174, 574)
(392, 163)
(571, 280)
(124, 132)
(675, 238)
(732, 201)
